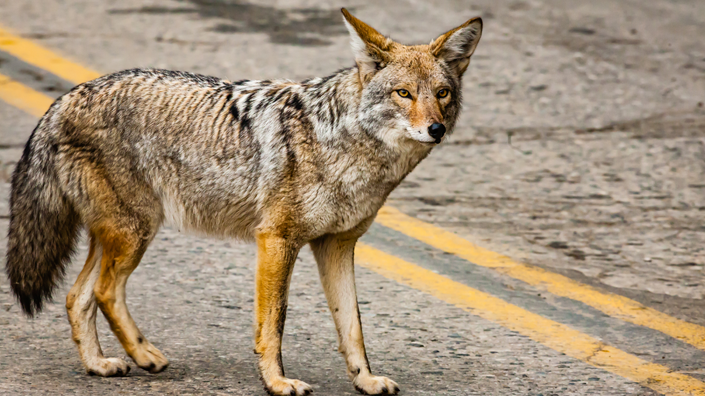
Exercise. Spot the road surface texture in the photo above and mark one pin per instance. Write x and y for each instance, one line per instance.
(579, 153)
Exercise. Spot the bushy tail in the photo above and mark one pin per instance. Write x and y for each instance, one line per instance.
(43, 225)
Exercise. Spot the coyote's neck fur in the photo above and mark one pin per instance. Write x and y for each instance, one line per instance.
(363, 161)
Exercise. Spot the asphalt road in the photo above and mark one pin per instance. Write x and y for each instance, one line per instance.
(579, 153)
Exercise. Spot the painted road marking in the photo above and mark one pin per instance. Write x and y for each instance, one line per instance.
(43, 58)
(23, 97)
(611, 304)
(547, 332)
(621, 334)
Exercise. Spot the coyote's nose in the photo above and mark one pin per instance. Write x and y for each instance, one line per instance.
(437, 131)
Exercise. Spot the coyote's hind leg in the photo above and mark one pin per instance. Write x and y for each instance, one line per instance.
(122, 252)
(82, 309)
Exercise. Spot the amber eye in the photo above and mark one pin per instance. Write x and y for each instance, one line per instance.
(442, 93)
(403, 93)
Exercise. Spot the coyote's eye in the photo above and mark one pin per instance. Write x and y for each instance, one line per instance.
(403, 93)
(442, 93)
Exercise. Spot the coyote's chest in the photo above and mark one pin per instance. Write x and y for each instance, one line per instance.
(353, 189)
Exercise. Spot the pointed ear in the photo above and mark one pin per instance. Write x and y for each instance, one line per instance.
(456, 46)
(371, 49)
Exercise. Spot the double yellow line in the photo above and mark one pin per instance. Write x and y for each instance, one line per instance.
(611, 304)
(547, 332)
(550, 333)
(42, 58)
(23, 97)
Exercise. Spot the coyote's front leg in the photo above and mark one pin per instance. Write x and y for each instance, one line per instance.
(275, 262)
(334, 254)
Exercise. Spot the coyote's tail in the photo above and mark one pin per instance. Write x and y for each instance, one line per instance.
(44, 225)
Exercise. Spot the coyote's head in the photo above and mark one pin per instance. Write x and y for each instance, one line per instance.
(411, 93)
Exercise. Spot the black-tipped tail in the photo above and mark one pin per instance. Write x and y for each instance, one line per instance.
(43, 227)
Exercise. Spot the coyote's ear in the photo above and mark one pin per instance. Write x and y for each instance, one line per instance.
(456, 46)
(370, 47)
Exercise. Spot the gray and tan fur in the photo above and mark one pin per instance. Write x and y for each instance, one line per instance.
(282, 163)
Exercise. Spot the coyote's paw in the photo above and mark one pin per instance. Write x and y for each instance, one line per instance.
(373, 385)
(110, 367)
(287, 387)
(149, 358)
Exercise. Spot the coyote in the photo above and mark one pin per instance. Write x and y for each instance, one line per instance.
(281, 163)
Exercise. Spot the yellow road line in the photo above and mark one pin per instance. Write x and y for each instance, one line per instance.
(23, 97)
(612, 304)
(547, 332)
(43, 58)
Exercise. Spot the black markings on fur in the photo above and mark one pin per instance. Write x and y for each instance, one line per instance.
(334, 106)
(280, 94)
(234, 111)
(268, 99)
(281, 316)
(286, 118)
(271, 92)
(263, 103)
(248, 102)
(280, 321)
(211, 100)
(367, 362)
(245, 132)
(241, 82)
(140, 340)
(325, 79)
(161, 73)
(295, 102)
(357, 388)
